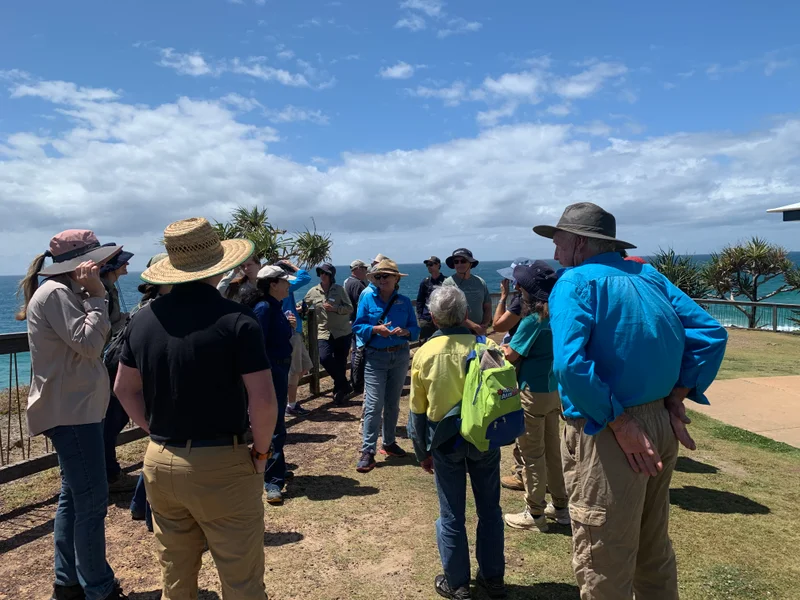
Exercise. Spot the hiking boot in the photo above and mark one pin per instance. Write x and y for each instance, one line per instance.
(297, 411)
(68, 592)
(366, 463)
(445, 591)
(117, 593)
(559, 515)
(495, 587)
(124, 482)
(512, 482)
(525, 520)
(274, 493)
(339, 398)
(393, 450)
(139, 514)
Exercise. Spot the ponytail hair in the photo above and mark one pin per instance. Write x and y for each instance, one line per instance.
(29, 285)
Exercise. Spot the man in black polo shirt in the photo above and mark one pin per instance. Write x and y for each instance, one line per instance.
(426, 287)
(192, 367)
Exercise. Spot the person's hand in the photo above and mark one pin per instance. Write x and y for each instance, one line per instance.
(292, 320)
(427, 465)
(382, 330)
(400, 332)
(478, 329)
(638, 449)
(329, 307)
(87, 274)
(291, 265)
(678, 418)
(504, 285)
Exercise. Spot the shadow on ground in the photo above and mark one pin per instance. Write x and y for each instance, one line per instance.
(308, 438)
(281, 538)
(328, 487)
(689, 465)
(704, 500)
(539, 591)
(156, 595)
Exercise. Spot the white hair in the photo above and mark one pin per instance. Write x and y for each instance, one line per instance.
(599, 246)
(448, 306)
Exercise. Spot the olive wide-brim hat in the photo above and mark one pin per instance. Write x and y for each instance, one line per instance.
(386, 267)
(195, 252)
(587, 220)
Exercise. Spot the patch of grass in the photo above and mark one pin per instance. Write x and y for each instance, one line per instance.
(730, 433)
(760, 354)
(729, 582)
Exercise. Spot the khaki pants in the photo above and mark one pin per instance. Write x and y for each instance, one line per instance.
(212, 494)
(539, 451)
(620, 519)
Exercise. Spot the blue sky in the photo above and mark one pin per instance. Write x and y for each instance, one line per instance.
(404, 126)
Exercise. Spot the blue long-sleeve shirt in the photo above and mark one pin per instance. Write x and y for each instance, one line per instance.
(624, 335)
(302, 279)
(370, 309)
(277, 330)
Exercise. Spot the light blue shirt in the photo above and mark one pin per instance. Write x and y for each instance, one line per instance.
(624, 335)
(289, 303)
(370, 308)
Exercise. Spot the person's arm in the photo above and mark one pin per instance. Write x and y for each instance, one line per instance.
(128, 390)
(262, 405)
(303, 279)
(418, 411)
(223, 285)
(505, 321)
(344, 306)
(261, 312)
(422, 298)
(410, 326)
(83, 326)
(525, 337)
(487, 307)
(572, 322)
(362, 327)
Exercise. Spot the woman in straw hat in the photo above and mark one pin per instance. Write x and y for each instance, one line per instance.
(68, 326)
(384, 325)
(193, 373)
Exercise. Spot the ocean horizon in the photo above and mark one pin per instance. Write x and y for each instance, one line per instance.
(409, 285)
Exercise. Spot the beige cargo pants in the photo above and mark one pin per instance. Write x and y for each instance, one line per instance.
(620, 519)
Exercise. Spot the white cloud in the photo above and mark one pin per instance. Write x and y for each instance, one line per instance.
(267, 73)
(490, 118)
(313, 22)
(769, 62)
(458, 26)
(526, 84)
(668, 85)
(284, 53)
(559, 110)
(687, 74)
(126, 170)
(432, 8)
(451, 95)
(629, 96)
(412, 22)
(241, 103)
(771, 65)
(401, 70)
(596, 128)
(588, 82)
(291, 114)
(190, 63)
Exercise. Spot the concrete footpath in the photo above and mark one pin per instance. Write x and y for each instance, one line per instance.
(769, 406)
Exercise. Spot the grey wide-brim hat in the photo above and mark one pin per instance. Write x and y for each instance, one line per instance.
(587, 220)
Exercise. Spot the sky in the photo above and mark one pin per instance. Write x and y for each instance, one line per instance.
(406, 127)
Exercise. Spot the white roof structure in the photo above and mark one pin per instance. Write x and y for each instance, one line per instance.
(791, 212)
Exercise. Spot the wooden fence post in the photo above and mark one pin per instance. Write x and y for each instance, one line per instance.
(313, 351)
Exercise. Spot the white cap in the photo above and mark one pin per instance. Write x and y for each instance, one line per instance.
(273, 272)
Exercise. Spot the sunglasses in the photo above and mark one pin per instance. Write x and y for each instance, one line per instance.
(460, 261)
(381, 276)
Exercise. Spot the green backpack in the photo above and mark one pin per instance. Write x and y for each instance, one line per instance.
(491, 412)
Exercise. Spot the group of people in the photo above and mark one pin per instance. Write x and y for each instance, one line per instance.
(214, 353)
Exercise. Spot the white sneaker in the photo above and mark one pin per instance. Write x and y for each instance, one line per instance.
(559, 515)
(525, 520)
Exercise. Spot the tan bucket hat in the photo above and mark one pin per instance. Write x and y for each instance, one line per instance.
(195, 252)
(387, 267)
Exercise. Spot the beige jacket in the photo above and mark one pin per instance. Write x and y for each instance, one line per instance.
(67, 331)
(331, 325)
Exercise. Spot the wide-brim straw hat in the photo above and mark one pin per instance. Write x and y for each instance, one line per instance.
(195, 252)
(586, 220)
(386, 267)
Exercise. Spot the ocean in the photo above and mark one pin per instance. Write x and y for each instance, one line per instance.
(409, 286)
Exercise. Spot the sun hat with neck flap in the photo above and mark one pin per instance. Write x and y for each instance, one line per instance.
(195, 252)
(72, 247)
(586, 220)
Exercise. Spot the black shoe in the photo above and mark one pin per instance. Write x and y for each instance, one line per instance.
(339, 398)
(68, 592)
(366, 463)
(289, 475)
(393, 450)
(495, 587)
(445, 591)
(117, 593)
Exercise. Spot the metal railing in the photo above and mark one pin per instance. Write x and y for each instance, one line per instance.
(753, 315)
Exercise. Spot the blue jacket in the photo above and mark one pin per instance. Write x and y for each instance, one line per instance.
(277, 330)
(623, 335)
(370, 308)
(289, 303)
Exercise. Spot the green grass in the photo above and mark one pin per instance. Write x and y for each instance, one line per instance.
(722, 431)
(760, 354)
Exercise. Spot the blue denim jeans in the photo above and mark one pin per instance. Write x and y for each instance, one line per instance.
(275, 472)
(450, 468)
(79, 532)
(384, 377)
(113, 424)
(140, 503)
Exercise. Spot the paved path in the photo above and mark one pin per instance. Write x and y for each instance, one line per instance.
(769, 406)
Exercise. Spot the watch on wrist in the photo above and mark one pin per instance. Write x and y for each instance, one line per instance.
(260, 455)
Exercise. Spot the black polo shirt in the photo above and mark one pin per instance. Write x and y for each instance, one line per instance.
(192, 347)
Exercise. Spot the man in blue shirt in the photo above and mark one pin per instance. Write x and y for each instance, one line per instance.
(628, 348)
(301, 361)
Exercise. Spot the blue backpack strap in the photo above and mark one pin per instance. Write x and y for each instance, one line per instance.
(481, 339)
